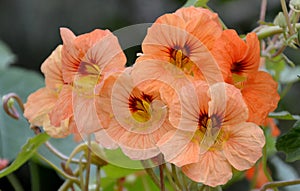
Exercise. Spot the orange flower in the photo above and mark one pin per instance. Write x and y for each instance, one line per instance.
(41, 103)
(260, 94)
(133, 114)
(184, 39)
(213, 135)
(239, 61)
(270, 122)
(235, 56)
(86, 59)
(261, 178)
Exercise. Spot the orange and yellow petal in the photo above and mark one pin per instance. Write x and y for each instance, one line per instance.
(63, 108)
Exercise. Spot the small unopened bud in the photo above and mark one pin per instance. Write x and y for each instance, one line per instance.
(295, 5)
(280, 20)
(3, 163)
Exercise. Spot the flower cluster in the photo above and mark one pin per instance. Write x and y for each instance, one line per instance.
(195, 95)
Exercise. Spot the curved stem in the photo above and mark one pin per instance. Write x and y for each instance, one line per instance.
(276, 184)
(74, 179)
(286, 16)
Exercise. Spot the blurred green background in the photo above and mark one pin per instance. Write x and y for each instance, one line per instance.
(31, 30)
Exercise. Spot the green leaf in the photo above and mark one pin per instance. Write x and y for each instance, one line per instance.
(6, 56)
(112, 171)
(26, 153)
(284, 115)
(289, 143)
(196, 3)
(275, 66)
(14, 133)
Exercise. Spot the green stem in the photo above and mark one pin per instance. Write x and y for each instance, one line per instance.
(88, 164)
(15, 182)
(98, 178)
(68, 183)
(265, 168)
(74, 179)
(151, 173)
(276, 184)
(171, 180)
(175, 176)
(268, 31)
(61, 155)
(34, 175)
(286, 16)
(254, 179)
(81, 169)
(264, 163)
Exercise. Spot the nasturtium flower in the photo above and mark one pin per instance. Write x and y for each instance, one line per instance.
(133, 114)
(239, 61)
(85, 60)
(41, 103)
(213, 136)
(235, 56)
(184, 39)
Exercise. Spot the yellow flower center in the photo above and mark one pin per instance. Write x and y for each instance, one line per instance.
(140, 107)
(179, 57)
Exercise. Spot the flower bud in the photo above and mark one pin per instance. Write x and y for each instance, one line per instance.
(295, 5)
(280, 20)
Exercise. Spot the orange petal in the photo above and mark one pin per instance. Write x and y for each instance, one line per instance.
(260, 95)
(244, 145)
(51, 68)
(177, 147)
(39, 104)
(228, 104)
(212, 169)
(85, 114)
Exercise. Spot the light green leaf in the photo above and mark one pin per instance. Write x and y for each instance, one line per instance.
(196, 3)
(6, 56)
(284, 115)
(289, 143)
(112, 171)
(26, 153)
(275, 66)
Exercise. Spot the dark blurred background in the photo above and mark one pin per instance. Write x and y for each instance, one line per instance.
(31, 27)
